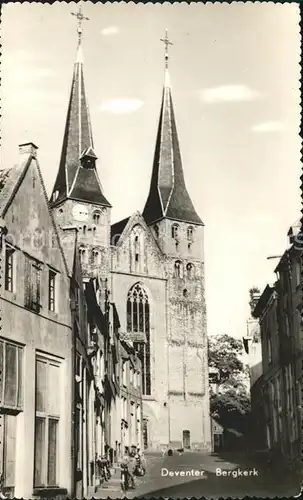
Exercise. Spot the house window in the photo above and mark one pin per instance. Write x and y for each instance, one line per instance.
(51, 290)
(8, 451)
(175, 231)
(32, 285)
(9, 268)
(269, 350)
(138, 321)
(124, 375)
(190, 268)
(190, 233)
(178, 269)
(47, 422)
(11, 375)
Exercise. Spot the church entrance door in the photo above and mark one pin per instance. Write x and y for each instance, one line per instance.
(186, 439)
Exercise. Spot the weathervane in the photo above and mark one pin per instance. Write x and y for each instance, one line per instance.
(167, 42)
(79, 15)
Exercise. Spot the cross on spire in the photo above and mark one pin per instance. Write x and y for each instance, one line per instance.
(79, 15)
(166, 42)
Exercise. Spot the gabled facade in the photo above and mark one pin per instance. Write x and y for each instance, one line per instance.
(35, 339)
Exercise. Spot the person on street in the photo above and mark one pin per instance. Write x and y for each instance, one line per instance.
(127, 465)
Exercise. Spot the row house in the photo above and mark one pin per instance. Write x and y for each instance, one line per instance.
(279, 313)
(36, 339)
(62, 361)
(131, 416)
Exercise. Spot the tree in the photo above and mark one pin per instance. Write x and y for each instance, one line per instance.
(254, 294)
(230, 403)
(224, 355)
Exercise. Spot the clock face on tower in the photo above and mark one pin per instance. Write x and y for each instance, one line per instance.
(80, 212)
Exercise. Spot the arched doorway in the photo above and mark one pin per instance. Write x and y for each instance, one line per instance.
(186, 439)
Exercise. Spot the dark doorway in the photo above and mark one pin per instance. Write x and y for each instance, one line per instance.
(186, 439)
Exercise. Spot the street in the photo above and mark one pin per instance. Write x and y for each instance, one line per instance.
(200, 478)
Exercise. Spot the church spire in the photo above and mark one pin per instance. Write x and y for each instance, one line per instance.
(77, 177)
(168, 196)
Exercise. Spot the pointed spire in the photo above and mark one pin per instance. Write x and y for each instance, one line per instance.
(71, 182)
(168, 196)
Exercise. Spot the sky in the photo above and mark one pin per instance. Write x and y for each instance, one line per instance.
(234, 70)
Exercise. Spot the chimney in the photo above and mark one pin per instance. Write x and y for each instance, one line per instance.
(28, 148)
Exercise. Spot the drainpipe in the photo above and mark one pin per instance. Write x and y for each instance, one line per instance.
(73, 422)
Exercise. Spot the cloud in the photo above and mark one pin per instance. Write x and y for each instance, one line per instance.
(110, 30)
(267, 127)
(119, 106)
(229, 93)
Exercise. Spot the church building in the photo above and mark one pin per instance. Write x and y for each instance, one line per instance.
(153, 263)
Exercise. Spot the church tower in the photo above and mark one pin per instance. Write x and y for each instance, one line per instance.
(77, 198)
(177, 227)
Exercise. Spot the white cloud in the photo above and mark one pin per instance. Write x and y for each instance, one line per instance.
(119, 106)
(267, 127)
(110, 30)
(229, 93)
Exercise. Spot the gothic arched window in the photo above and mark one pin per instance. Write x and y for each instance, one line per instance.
(178, 269)
(138, 321)
(175, 231)
(84, 229)
(190, 270)
(190, 233)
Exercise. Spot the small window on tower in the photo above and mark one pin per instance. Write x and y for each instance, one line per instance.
(190, 233)
(55, 195)
(82, 254)
(137, 257)
(178, 269)
(84, 229)
(175, 231)
(190, 270)
(97, 217)
(95, 257)
(156, 227)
